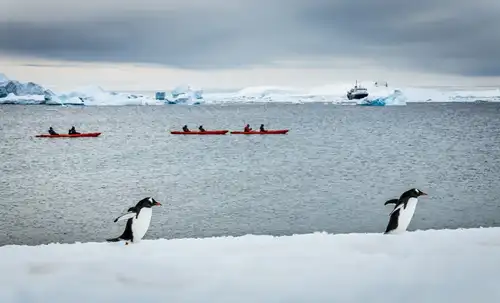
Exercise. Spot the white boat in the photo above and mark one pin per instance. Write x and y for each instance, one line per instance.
(358, 92)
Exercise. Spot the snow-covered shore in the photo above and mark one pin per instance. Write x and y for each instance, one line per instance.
(422, 266)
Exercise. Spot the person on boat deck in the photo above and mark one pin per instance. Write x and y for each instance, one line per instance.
(52, 132)
(247, 128)
(73, 131)
(201, 128)
(262, 128)
(185, 128)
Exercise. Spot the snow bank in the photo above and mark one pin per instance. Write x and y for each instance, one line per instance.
(423, 266)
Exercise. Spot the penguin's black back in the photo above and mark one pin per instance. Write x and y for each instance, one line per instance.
(393, 221)
(127, 233)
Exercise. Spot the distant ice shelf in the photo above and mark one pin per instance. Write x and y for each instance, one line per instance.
(15, 92)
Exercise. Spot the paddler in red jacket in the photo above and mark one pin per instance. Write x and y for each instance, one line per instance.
(247, 128)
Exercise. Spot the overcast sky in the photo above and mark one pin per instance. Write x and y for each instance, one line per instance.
(452, 38)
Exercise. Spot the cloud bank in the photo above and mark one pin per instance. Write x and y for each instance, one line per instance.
(449, 36)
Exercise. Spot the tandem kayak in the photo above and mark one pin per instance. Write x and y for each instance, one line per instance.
(267, 132)
(207, 132)
(69, 136)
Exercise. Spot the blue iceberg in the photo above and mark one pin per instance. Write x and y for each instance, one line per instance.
(396, 98)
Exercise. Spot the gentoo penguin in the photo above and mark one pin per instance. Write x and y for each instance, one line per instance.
(403, 211)
(139, 217)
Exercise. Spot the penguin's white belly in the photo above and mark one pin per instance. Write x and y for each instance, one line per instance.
(141, 225)
(406, 214)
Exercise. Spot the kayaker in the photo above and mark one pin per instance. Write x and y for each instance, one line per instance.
(247, 128)
(52, 132)
(73, 131)
(262, 128)
(185, 129)
(201, 128)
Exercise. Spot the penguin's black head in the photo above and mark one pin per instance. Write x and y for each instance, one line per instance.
(415, 193)
(153, 202)
(148, 202)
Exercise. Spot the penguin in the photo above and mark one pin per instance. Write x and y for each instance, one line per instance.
(403, 211)
(138, 219)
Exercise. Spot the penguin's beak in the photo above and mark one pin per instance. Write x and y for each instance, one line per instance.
(423, 194)
(157, 203)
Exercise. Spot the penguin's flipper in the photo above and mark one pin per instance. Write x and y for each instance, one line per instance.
(397, 208)
(392, 201)
(125, 216)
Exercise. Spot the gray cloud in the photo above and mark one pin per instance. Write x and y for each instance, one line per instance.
(454, 36)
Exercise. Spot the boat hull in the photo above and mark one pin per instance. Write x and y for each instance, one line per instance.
(356, 96)
(69, 136)
(268, 132)
(208, 132)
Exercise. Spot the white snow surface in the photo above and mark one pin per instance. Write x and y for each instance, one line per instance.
(413, 267)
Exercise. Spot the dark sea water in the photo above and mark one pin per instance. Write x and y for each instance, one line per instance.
(332, 172)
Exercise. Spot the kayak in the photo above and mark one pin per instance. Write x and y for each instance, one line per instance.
(268, 132)
(207, 132)
(69, 136)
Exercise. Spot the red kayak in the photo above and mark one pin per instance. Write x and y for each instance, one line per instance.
(207, 132)
(69, 136)
(267, 132)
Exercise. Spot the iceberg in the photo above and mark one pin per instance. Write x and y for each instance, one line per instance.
(186, 89)
(97, 96)
(396, 98)
(10, 89)
(422, 266)
(15, 92)
(184, 94)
